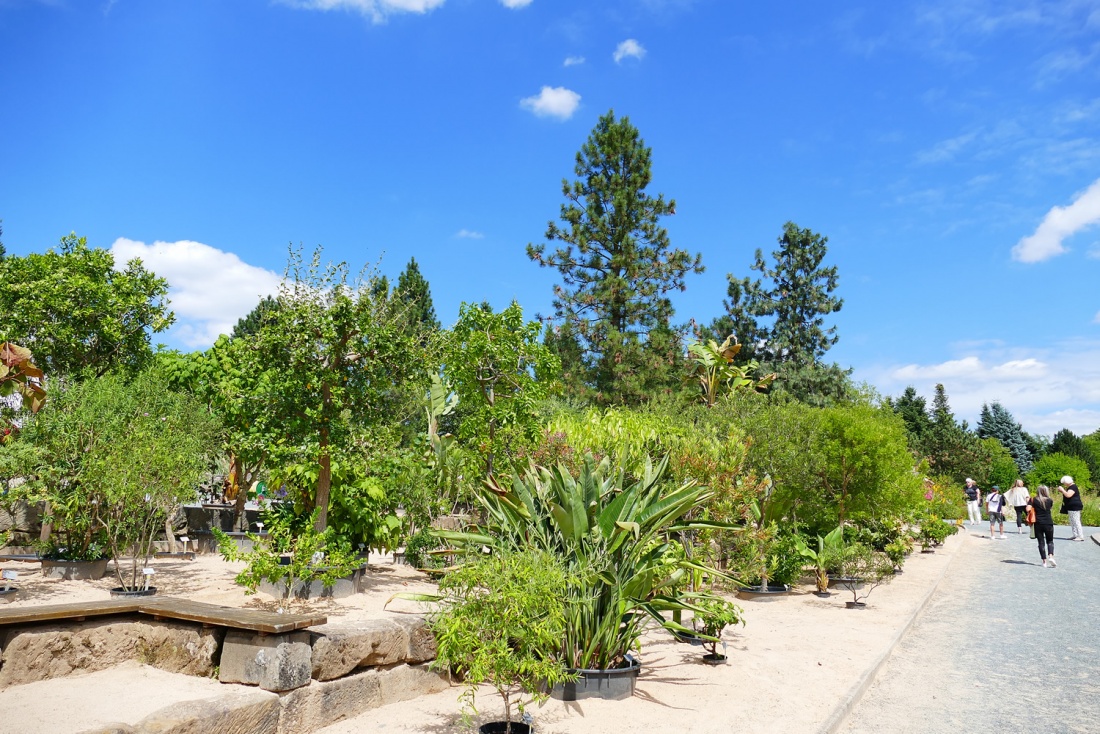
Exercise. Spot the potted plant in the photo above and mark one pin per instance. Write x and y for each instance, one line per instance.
(500, 622)
(295, 559)
(827, 554)
(898, 550)
(614, 538)
(933, 531)
(864, 569)
(712, 615)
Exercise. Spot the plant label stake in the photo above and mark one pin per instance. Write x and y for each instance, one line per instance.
(147, 572)
(9, 576)
(185, 540)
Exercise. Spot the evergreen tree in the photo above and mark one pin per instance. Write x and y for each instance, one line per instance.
(996, 422)
(252, 322)
(412, 289)
(912, 408)
(1068, 443)
(2, 250)
(951, 449)
(779, 318)
(617, 266)
(561, 340)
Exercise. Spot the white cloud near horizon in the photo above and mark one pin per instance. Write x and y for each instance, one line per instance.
(1060, 223)
(210, 289)
(628, 49)
(1045, 389)
(557, 102)
(515, 4)
(376, 10)
(573, 61)
(469, 234)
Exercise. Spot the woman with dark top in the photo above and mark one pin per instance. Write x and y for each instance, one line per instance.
(1072, 506)
(1044, 524)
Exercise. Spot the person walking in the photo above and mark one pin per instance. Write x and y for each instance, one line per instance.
(973, 502)
(995, 505)
(1016, 498)
(1072, 506)
(1042, 504)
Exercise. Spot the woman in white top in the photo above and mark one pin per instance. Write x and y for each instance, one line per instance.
(1017, 496)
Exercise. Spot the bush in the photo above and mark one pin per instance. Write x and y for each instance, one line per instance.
(1050, 469)
(418, 550)
(863, 569)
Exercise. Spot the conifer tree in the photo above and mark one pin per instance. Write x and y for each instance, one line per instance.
(617, 266)
(996, 422)
(251, 322)
(913, 409)
(413, 290)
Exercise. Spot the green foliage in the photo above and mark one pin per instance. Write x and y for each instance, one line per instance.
(712, 366)
(336, 363)
(114, 459)
(419, 550)
(898, 550)
(996, 422)
(413, 291)
(912, 409)
(712, 615)
(1001, 469)
(825, 557)
(1050, 469)
(491, 362)
(80, 314)
(933, 531)
(618, 269)
(501, 624)
(786, 560)
(1068, 443)
(781, 316)
(863, 569)
(293, 552)
(612, 535)
(19, 375)
(251, 323)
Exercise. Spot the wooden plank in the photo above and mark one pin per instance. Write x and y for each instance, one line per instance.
(51, 612)
(221, 616)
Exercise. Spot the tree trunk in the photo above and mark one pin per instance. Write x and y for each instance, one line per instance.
(324, 485)
(171, 536)
(44, 534)
(242, 493)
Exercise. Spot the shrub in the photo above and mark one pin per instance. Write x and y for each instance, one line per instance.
(1050, 469)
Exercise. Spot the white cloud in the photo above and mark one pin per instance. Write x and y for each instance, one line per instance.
(573, 61)
(946, 150)
(556, 102)
(1060, 223)
(1046, 389)
(469, 234)
(376, 10)
(210, 289)
(514, 4)
(629, 48)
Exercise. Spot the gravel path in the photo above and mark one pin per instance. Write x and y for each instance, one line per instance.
(1004, 645)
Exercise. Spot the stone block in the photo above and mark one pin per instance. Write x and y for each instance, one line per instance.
(324, 703)
(239, 712)
(272, 662)
(422, 645)
(35, 653)
(341, 647)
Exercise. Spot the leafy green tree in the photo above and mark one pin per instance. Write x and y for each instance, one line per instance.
(780, 316)
(1050, 469)
(617, 266)
(337, 362)
(996, 422)
(251, 322)
(1068, 443)
(413, 291)
(500, 371)
(77, 313)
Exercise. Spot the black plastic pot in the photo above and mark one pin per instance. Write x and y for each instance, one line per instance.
(715, 659)
(927, 550)
(755, 592)
(688, 638)
(614, 685)
(500, 727)
(834, 580)
(855, 605)
(823, 594)
(121, 591)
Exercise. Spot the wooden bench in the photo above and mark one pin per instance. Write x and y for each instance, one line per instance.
(209, 615)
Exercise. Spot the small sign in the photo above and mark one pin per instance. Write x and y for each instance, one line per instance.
(148, 571)
(10, 576)
(185, 539)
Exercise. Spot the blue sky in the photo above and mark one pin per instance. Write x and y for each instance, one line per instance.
(949, 150)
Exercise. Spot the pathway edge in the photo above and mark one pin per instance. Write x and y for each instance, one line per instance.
(848, 702)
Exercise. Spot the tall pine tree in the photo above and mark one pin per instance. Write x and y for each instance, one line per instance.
(413, 290)
(996, 422)
(617, 267)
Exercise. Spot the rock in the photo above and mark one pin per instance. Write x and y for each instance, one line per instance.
(113, 728)
(36, 653)
(324, 703)
(239, 712)
(341, 647)
(272, 662)
(422, 645)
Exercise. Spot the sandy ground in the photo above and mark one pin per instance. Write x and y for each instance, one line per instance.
(796, 658)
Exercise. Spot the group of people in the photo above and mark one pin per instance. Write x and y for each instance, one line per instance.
(1034, 511)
